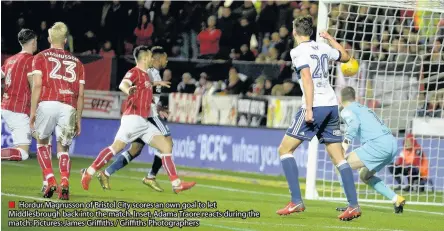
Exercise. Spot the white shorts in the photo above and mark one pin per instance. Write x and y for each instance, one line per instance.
(18, 123)
(133, 127)
(59, 116)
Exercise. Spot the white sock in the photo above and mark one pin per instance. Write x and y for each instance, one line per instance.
(175, 182)
(45, 183)
(90, 171)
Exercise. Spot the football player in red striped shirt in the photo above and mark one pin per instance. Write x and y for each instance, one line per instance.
(56, 103)
(16, 98)
(138, 86)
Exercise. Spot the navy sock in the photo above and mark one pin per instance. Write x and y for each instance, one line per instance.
(348, 183)
(121, 161)
(157, 164)
(291, 173)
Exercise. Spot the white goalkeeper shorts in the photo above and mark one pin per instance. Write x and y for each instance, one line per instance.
(59, 116)
(18, 124)
(133, 127)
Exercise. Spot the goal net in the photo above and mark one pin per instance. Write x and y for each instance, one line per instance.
(399, 47)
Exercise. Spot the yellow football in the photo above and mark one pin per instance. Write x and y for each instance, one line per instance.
(350, 68)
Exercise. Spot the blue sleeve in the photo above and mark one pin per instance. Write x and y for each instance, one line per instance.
(352, 122)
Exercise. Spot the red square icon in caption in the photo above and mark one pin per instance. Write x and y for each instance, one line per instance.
(12, 205)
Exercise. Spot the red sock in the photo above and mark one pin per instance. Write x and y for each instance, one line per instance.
(13, 154)
(104, 156)
(168, 165)
(64, 165)
(45, 161)
(50, 150)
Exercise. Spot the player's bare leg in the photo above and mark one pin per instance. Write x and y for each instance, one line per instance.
(65, 170)
(17, 153)
(337, 157)
(45, 162)
(104, 156)
(160, 143)
(286, 149)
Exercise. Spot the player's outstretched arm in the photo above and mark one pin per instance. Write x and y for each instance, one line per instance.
(345, 57)
(162, 84)
(352, 127)
(307, 84)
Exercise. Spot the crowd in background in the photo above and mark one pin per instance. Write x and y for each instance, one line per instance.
(258, 31)
(239, 30)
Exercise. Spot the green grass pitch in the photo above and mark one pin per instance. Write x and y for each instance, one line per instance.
(21, 181)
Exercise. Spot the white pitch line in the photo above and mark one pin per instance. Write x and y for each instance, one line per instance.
(271, 194)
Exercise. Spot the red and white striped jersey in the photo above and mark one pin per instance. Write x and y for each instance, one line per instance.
(17, 93)
(139, 103)
(62, 73)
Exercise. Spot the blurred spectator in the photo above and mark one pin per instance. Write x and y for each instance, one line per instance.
(267, 19)
(212, 7)
(165, 28)
(144, 32)
(261, 58)
(235, 85)
(278, 90)
(244, 32)
(187, 85)
(42, 39)
(209, 38)
(167, 76)
(433, 108)
(128, 45)
(247, 11)
(246, 54)
(87, 44)
(286, 40)
(205, 86)
(265, 45)
(268, 86)
(227, 25)
(284, 13)
(262, 86)
(272, 55)
(107, 50)
(412, 163)
(190, 18)
(113, 22)
(291, 88)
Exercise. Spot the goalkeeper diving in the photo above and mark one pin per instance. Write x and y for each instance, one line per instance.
(379, 146)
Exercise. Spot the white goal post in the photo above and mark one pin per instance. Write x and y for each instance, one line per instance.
(399, 47)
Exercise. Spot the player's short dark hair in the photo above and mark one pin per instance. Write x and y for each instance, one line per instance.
(303, 25)
(158, 50)
(348, 94)
(26, 35)
(139, 50)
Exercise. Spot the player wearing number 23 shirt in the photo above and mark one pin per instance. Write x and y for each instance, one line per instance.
(56, 103)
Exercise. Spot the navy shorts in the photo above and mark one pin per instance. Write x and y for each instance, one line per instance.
(325, 125)
(160, 124)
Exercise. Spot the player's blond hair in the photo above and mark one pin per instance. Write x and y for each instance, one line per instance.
(58, 32)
